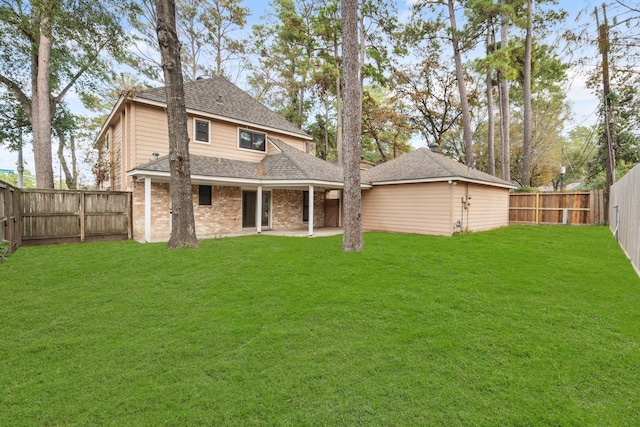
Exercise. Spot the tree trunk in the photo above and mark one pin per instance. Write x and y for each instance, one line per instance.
(352, 240)
(491, 165)
(491, 151)
(41, 109)
(183, 233)
(70, 176)
(464, 102)
(526, 157)
(339, 106)
(504, 103)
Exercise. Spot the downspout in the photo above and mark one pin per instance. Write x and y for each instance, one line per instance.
(467, 204)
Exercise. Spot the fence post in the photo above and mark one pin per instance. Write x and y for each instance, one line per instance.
(129, 207)
(537, 208)
(82, 217)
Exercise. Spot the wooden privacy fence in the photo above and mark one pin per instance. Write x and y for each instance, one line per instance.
(65, 216)
(576, 207)
(33, 217)
(10, 217)
(624, 214)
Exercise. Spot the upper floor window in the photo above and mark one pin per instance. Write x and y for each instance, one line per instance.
(201, 130)
(252, 140)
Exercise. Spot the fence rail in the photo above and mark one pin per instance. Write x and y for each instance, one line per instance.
(54, 216)
(33, 217)
(624, 211)
(576, 207)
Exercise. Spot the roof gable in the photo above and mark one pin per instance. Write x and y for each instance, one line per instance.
(218, 96)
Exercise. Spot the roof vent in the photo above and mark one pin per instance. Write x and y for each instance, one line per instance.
(433, 147)
(200, 78)
(219, 99)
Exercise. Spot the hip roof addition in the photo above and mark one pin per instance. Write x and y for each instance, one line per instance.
(423, 165)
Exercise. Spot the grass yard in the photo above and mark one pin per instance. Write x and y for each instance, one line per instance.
(520, 326)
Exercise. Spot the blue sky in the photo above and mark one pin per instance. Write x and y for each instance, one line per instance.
(583, 102)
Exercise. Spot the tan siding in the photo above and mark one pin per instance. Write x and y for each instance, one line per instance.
(298, 143)
(127, 147)
(489, 207)
(151, 136)
(408, 208)
(116, 160)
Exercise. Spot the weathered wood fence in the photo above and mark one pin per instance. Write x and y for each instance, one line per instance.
(624, 214)
(33, 217)
(54, 216)
(10, 216)
(575, 207)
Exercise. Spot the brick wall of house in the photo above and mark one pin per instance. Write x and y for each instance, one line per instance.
(224, 215)
(287, 209)
(160, 217)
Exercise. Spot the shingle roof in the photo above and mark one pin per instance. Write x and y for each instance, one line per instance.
(220, 97)
(423, 164)
(289, 164)
(291, 161)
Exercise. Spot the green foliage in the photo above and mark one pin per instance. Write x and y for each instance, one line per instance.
(29, 179)
(525, 190)
(4, 250)
(531, 326)
(385, 128)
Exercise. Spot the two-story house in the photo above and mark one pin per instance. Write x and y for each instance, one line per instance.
(252, 170)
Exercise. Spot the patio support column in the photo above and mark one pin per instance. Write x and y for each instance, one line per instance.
(259, 209)
(147, 209)
(311, 210)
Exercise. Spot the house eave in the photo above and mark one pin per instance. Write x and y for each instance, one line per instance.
(450, 179)
(160, 176)
(107, 122)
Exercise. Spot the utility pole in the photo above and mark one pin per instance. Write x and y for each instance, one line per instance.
(603, 46)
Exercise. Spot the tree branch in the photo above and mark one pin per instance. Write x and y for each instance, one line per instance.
(19, 93)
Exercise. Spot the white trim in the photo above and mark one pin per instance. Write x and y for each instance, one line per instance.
(147, 209)
(311, 196)
(259, 209)
(107, 123)
(453, 178)
(141, 174)
(195, 131)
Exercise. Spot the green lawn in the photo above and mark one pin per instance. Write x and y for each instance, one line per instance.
(521, 326)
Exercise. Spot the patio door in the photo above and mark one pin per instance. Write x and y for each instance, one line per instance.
(249, 199)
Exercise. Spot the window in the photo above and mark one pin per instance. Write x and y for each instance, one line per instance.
(201, 130)
(252, 140)
(204, 195)
(305, 206)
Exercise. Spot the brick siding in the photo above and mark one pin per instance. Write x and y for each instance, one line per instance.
(224, 215)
